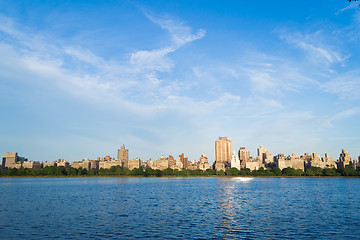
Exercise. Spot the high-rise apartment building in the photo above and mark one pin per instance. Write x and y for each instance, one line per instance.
(264, 156)
(344, 159)
(223, 153)
(123, 156)
(184, 161)
(235, 161)
(244, 156)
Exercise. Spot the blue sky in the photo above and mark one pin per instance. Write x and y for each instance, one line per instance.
(80, 78)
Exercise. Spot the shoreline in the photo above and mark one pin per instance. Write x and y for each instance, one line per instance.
(172, 176)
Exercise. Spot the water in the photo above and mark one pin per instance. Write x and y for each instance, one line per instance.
(179, 208)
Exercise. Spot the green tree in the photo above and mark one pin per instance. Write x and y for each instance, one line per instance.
(277, 171)
(314, 171)
(232, 172)
(137, 171)
(330, 172)
(168, 171)
(288, 171)
(245, 172)
(210, 172)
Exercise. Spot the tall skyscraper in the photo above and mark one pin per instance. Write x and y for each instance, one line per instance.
(123, 156)
(223, 153)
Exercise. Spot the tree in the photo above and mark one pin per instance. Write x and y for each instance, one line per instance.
(313, 171)
(349, 171)
(277, 171)
(232, 172)
(245, 172)
(288, 171)
(169, 171)
(330, 172)
(137, 171)
(210, 172)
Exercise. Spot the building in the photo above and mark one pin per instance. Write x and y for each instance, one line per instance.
(235, 161)
(172, 162)
(85, 164)
(184, 160)
(12, 160)
(150, 164)
(292, 161)
(162, 163)
(357, 163)
(49, 164)
(179, 163)
(254, 164)
(223, 153)
(193, 165)
(204, 162)
(108, 164)
(134, 163)
(62, 163)
(94, 164)
(265, 157)
(32, 164)
(244, 156)
(123, 156)
(344, 159)
(314, 160)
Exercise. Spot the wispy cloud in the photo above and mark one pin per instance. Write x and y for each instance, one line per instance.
(180, 33)
(346, 85)
(352, 5)
(157, 60)
(343, 114)
(135, 85)
(318, 51)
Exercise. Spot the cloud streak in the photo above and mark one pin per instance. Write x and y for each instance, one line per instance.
(135, 84)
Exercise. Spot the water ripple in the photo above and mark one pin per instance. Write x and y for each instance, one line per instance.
(179, 208)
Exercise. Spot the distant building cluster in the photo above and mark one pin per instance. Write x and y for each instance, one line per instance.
(225, 159)
(12, 160)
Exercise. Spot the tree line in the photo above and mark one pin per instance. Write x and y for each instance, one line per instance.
(148, 172)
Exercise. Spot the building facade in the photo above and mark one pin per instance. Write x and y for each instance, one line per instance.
(344, 159)
(223, 153)
(235, 161)
(244, 156)
(12, 160)
(123, 156)
(204, 162)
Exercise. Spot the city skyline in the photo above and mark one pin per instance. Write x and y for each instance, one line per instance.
(225, 157)
(80, 79)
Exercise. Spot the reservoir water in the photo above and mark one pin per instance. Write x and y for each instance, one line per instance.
(179, 208)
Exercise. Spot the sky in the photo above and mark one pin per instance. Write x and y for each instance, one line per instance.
(81, 78)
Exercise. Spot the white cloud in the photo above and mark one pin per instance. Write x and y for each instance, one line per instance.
(180, 33)
(134, 85)
(155, 60)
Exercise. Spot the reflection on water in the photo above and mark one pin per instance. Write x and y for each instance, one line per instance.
(233, 205)
(183, 208)
(241, 179)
